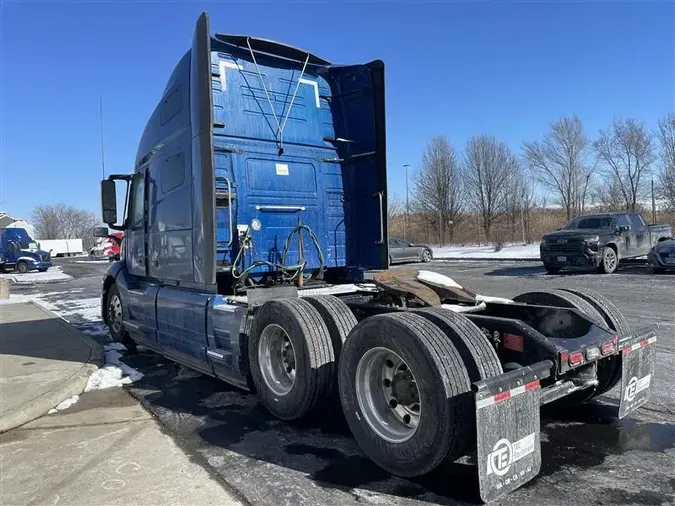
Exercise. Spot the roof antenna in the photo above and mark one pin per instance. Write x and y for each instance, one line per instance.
(100, 103)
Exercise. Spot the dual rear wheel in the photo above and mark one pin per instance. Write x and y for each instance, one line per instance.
(404, 378)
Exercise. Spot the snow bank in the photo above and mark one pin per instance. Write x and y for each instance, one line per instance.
(64, 404)
(92, 261)
(509, 252)
(434, 278)
(53, 274)
(114, 373)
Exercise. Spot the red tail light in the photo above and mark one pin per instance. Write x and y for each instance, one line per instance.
(576, 358)
(607, 348)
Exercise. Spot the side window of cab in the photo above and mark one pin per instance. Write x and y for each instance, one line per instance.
(137, 202)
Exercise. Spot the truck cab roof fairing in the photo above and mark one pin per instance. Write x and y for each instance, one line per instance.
(272, 48)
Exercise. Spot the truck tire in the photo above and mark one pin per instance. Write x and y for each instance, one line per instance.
(405, 393)
(561, 298)
(609, 261)
(564, 298)
(478, 355)
(552, 269)
(609, 369)
(118, 333)
(291, 358)
(338, 318)
(22, 267)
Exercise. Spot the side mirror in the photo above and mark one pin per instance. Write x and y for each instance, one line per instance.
(100, 232)
(624, 228)
(108, 203)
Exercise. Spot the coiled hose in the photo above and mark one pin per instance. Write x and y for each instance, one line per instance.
(288, 272)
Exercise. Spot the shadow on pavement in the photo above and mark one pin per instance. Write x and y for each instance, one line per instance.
(539, 271)
(210, 413)
(321, 447)
(44, 338)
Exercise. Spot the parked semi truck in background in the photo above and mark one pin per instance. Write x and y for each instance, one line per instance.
(20, 251)
(107, 248)
(255, 251)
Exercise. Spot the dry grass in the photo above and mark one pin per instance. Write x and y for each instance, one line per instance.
(469, 230)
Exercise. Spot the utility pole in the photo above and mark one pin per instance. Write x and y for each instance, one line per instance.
(407, 202)
(653, 205)
(440, 227)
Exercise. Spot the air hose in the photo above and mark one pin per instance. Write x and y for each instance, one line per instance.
(289, 272)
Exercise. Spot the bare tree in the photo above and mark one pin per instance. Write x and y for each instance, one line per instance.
(437, 186)
(395, 205)
(396, 215)
(560, 162)
(46, 222)
(489, 167)
(62, 221)
(520, 199)
(626, 152)
(666, 138)
(607, 194)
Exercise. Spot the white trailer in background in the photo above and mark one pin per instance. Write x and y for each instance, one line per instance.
(62, 247)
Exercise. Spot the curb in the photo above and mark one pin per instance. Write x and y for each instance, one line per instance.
(73, 385)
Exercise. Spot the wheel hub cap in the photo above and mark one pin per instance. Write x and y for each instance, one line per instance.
(115, 313)
(388, 396)
(277, 360)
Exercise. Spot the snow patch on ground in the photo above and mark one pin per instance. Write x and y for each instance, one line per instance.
(64, 404)
(509, 252)
(434, 278)
(114, 373)
(92, 261)
(38, 298)
(53, 274)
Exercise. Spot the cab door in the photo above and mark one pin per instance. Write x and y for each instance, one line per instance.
(140, 293)
(627, 246)
(640, 232)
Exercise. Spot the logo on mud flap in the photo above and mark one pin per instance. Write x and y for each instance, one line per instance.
(504, 454)
(635, 386)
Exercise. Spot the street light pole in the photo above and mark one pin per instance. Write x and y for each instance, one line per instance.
(407, 202)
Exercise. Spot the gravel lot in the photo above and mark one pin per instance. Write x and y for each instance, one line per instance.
(588, 456)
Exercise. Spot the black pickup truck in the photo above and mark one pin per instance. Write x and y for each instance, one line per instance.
(600, 241)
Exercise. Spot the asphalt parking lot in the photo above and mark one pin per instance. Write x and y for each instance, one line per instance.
(589, 457)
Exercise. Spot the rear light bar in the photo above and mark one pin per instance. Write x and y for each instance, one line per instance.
(576, 358)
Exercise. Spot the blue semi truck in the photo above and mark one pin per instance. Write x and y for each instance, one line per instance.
(255, 251)
(19, 251)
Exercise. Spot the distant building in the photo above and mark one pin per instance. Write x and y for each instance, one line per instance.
(6, 221)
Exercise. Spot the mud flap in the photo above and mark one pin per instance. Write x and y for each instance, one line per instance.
(507, 426)
(638, 355)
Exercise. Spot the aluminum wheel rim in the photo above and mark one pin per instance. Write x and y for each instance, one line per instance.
(426, 256)
(277, 360)
(388, 396)
(115, 313)
(611, 257)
